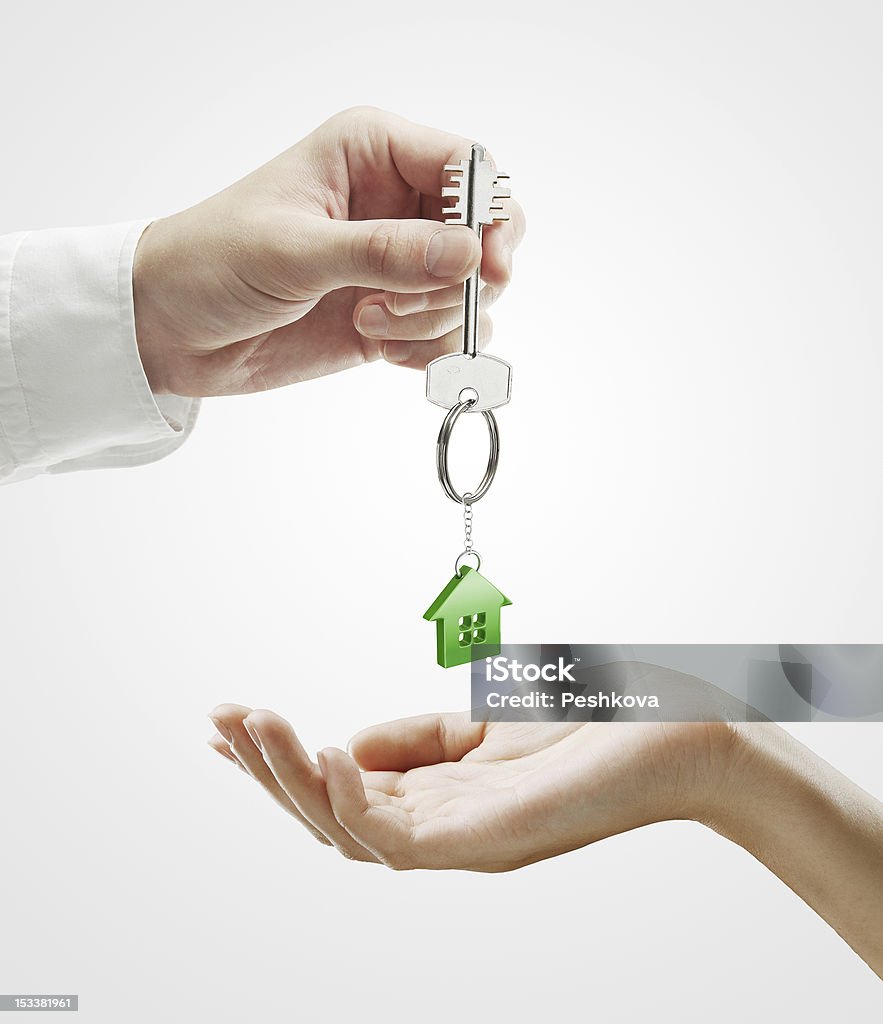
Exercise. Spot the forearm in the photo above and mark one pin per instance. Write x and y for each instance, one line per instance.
(813, 827)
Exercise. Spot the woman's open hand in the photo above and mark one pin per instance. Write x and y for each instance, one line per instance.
(440, 791)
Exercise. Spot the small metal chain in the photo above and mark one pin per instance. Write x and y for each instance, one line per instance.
(467, 523)
(468, 550)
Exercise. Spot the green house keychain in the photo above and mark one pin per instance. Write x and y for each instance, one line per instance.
(467, 611)
(460, 626)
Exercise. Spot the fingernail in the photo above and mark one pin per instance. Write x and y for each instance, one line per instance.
(373, 321)
(320, 758)
(449, 253)
(222, 729)
(252, 731)
(396, 351)
(507, 259)
(402, 304)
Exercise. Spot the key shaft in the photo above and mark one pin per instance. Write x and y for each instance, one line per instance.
(479, 195)
(486, 380)
(472, 285)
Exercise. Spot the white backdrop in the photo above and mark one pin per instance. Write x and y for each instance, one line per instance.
(693, 454)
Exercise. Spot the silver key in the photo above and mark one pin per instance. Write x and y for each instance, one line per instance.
(471, 374)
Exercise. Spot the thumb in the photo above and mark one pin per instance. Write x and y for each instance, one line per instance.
(394, 255)
(415, 742)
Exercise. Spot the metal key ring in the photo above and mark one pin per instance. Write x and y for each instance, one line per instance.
(472, 553)
(441, 453)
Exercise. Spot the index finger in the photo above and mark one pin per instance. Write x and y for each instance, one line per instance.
(418, 151)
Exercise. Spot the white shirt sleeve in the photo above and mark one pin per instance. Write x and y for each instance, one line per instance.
(73, 394)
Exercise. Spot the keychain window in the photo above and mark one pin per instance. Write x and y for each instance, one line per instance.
(472, 629)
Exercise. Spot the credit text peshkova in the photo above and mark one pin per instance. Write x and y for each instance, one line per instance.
(539, 699)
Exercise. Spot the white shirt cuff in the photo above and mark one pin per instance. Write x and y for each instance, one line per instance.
(73, 394)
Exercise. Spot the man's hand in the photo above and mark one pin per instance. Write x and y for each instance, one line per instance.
(331, 255)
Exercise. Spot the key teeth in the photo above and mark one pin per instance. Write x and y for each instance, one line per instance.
(456, 189)
(491, 190)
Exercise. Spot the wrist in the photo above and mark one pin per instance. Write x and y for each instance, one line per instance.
(149, 330)
(755, 779)
(811, 826)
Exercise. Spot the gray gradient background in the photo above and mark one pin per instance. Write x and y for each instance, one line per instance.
(693, 454)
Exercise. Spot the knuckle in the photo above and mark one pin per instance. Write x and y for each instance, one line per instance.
(382, 243)
(362, 112)
(439, 325)
(358, 120)
(351, 115)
